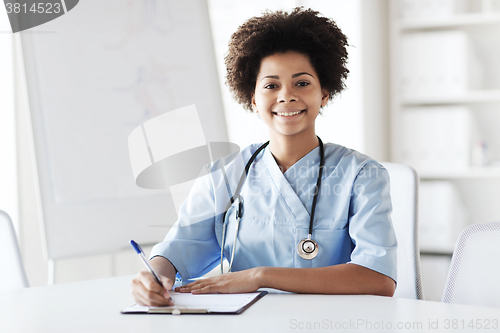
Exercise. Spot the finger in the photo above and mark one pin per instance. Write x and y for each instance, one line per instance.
(184, 289)
(141, 300)
(210, 289)
(144, 296)
(150, 283)
(166, 282)
(167, 285)
(188, 287)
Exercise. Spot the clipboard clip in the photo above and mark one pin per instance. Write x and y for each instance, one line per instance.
(176, 311)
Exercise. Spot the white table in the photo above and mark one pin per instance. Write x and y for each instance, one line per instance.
(94, 306)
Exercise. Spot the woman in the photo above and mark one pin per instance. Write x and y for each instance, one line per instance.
(312, 218)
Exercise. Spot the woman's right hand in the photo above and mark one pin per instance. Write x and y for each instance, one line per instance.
(147, 291)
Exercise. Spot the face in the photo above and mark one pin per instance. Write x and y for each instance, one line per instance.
(288, 94)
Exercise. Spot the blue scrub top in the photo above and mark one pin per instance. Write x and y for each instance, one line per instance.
(352, 222)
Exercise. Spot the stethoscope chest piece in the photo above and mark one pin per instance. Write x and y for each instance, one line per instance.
(307, 249)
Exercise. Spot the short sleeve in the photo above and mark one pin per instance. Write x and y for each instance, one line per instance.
(191, 244)
(370, 225)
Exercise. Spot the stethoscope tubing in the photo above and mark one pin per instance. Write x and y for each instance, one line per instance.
(240, 208)
(318, 185)
(239, 211)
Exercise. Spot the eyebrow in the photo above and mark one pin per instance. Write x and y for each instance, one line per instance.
(293, 76)
(301, 73)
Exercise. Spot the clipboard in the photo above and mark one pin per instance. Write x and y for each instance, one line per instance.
(186, 303)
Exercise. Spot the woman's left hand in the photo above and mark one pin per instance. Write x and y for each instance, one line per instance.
(231, 283)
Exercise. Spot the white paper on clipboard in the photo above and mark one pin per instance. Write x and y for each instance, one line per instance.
(202, 303)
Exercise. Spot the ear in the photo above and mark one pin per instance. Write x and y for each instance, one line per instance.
(325, 94)
(254, 105)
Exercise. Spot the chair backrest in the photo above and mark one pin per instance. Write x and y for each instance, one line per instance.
(12, 274)
(404, 196)
(475, 267)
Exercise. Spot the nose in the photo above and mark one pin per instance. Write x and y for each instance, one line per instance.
(287, 94)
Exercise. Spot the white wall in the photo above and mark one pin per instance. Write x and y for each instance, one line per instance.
(8, 173)
(342, 120)
(375, 64)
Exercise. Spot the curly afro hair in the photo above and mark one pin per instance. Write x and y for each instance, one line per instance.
(301, 30)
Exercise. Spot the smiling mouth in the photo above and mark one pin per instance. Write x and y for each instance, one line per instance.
(289, 113)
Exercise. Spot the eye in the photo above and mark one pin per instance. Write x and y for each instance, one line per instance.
(270, 86)
(302, 84)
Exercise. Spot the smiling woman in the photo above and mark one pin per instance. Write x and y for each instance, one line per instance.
(285, 66)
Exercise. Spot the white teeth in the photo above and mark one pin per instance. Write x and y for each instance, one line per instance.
(286, 114)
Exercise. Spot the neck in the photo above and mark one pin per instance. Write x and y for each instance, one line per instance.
(288, 150)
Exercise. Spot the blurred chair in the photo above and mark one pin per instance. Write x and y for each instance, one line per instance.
(475, 267)
(404, 196)
(12, 274)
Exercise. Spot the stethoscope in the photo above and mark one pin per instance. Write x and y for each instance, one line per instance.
(307, 248)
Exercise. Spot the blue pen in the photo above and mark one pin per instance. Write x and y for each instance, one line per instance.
(140, 252)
